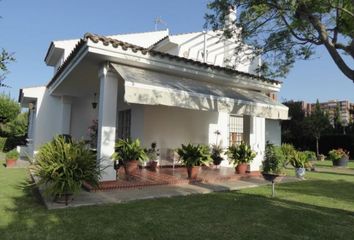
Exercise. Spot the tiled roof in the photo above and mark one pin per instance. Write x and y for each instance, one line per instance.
(125, 46)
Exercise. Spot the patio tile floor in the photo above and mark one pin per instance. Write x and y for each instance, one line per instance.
(170, 176)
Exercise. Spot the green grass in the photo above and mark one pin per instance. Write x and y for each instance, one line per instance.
(328, 163)
(322, 207)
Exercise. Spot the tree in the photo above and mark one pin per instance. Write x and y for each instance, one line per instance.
(9, 109)
(316, 124)
(338, 125)
(17, 127)
(287, 30)
(292, 129)
(5, 59)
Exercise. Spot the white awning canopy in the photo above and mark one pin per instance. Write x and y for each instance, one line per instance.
(149, 87)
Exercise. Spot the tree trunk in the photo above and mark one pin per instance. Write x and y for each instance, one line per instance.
(317, 147)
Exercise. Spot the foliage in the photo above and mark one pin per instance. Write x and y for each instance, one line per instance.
(216, 152)
(298, 159)
(13, 154)
(311, 156)
(9, 109)
(152, 153)
(17, 127)
(194, 155)
(5, 59)
(292, 129)
(2, 143)
(273, 159)
(288, 30)
(288, 151)
(316, 124)
(129, 150)
(240, 153)
(337, 154)
(63, 166)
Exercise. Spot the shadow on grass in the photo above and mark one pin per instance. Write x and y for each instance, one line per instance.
(334, 173)
(230, 215)
(337, 189)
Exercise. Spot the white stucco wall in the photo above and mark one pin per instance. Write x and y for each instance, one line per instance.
(48, 118)
(273, 131)
(82, 116)
(169, 127)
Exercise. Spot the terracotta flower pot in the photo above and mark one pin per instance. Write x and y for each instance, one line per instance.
(241, 168)
(193, 172)
(10, 163)
(130, 168)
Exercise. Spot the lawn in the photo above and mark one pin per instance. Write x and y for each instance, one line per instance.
(322, 207)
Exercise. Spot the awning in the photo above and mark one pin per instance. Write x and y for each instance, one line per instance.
(149, 87)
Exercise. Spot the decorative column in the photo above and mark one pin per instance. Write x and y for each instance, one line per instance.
(255, 130)
(107, 121)
(65, 114)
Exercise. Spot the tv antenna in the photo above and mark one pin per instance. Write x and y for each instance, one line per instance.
(158, 21)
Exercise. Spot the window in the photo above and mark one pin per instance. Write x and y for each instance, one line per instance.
(124, 120)
(235, 130)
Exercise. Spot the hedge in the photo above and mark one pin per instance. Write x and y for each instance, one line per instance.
(9, 143)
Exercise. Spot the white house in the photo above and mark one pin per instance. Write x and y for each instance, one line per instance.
(169, 89)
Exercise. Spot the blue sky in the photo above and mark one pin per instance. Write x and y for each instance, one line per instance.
(28, 27)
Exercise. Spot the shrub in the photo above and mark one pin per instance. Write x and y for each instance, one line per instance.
(240, 154)
(288, 150)
(311, 156)
(2, 143)
(273, 159)
(128, 150)
(63, 166)
(9, 109)
(13, 154)
(16, 127)
(194, 155)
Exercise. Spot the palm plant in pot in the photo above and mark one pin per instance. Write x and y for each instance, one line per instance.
(153, 154)
(216, 152)
(130, 153)
(63, 166)
(194, 156)
(240, 156)
(298, 160)
(11, 158)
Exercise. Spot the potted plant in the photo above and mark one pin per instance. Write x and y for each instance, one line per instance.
(153, 154)
(273, 163)
(240, 156)
(130, 153)
(63, 166)
(298, 160)
(11, 158)
(216, 152)
(194, 156)
(339, 157)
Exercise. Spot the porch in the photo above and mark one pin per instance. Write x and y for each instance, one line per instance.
(165, 183)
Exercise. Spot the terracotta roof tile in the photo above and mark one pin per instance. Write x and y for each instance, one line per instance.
(125, 46)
